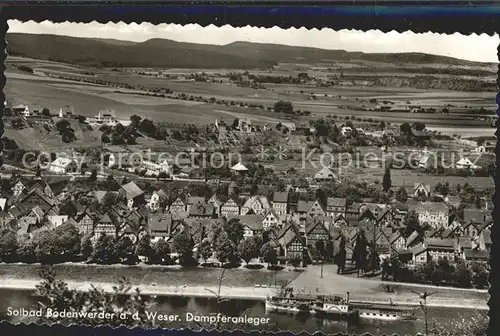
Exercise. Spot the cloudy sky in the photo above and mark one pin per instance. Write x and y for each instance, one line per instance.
(482, 48)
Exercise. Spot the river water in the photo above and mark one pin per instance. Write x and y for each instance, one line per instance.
(16, 299)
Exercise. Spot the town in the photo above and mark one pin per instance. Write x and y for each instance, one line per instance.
(117, 203)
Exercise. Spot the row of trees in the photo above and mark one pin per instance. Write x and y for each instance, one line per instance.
(437, 272)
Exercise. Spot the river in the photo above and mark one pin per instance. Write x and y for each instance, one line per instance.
(16, 299)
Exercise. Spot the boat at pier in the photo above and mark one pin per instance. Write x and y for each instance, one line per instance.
(339, 308)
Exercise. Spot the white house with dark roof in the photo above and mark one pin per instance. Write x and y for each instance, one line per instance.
(280, 204)
(271, 219)
(325, 174)
(62, 165)
(335, 206)
(436, 214)
(252, 225)
(421, 189)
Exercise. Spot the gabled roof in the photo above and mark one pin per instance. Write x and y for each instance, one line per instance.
(336, 202)
(440, 243)
(304, 206)
(160, 224)
(132, 190)
(254, 222)
(201, 209)
(195, 199)
(474, 215)
(288, 233)
(325, 173)
(412, 237)
(418, 249)
(471, 254)
(239, 167)
(280, 197)
(465, 242)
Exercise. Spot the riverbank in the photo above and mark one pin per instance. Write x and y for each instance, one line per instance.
(373, 290)
(242, 293)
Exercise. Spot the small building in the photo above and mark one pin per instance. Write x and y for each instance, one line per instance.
(156, 199)
(230, 208)
(335, 206)
(239, 168)
(325, 174)
(63, 165)
(465, 163)
(280, 204)
(252, 225)
(421, 189)
(133, 194)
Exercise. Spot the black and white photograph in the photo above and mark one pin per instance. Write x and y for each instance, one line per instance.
(180, 176)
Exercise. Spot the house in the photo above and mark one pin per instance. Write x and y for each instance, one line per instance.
(315, 232)
(63, 165)
(470, 229)
(422, 135)
(107, 225)
(485, 240)
(413, 239)
(57, 220)
(291, 243)
(420, 189)
(280, 204)
(133, 194)
(230, 208)
(325, 174)
(85, 223)
(441, 248)
(346, 130)
(153, 168)
(464, 243)
(18, 188)
(216, 202)
(178, 207)
(258, 205)
(201, 210)
(104, 117)
(239, 168)
(397, 241)
(420, 255)
(477, 216)
(161, 226)
(192, 200)
(310, 208)
(476, 256)
(37, 197)
(271, 219)
(436, 214)
(252, 225)
(156, 199)
(335, 206)
(123, 159)
(465, 163)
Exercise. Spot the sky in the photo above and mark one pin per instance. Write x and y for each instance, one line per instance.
(481, 48)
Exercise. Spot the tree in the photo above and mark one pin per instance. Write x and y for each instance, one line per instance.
(225, 251)
(382, 125)
(104, 251)
(269, 254)
(135, 120)
(412, 223)
(8, 245)
(401, 195)
(205, 249)
(26, 250)
(386, 181)
(93, 176)
(234, 230)
(341, 256)
(46, 112)
(124, 250)
(144, 248)
(86, 248)
(248, 249)
(161, 252)
(67, 241)
(359, 255)
(183, 244)
(419, 126)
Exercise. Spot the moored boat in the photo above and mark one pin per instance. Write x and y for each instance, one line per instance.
(384, 312)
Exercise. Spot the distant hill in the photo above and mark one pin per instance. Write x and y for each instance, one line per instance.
(168, 53)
